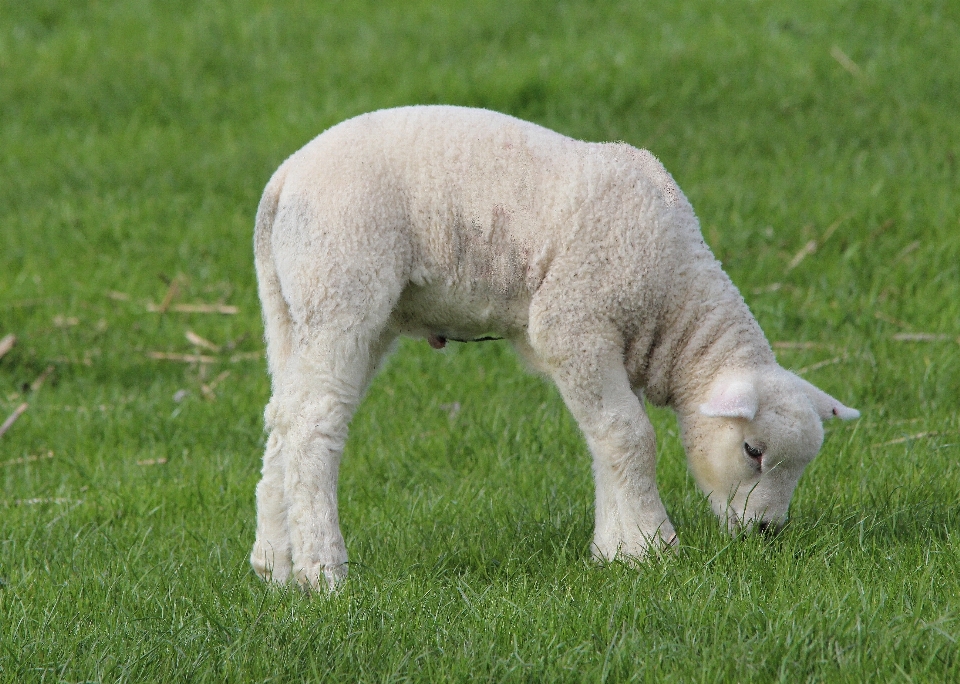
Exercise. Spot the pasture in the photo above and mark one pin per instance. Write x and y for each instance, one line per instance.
(819, 144)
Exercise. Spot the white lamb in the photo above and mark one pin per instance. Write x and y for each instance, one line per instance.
(455, 223)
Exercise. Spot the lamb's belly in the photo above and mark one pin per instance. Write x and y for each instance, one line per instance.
(459, 314)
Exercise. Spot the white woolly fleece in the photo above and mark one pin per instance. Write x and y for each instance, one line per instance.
(455, 223)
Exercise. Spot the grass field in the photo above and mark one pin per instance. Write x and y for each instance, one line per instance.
(818, 142)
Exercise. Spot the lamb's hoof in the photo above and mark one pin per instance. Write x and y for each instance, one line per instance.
(321, 578)
(662, 543)
(269, 569)
(672, 543)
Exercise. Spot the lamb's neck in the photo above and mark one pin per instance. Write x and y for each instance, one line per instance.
(711, 331)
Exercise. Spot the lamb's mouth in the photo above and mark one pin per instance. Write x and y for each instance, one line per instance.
(763, 526)
(737, 524)
(770, 528)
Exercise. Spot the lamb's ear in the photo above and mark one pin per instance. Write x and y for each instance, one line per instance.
(826, 406)
(731, 398)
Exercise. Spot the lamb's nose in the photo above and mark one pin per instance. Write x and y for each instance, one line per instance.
(770, 527)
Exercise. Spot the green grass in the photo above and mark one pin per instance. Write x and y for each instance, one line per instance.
(135, 139)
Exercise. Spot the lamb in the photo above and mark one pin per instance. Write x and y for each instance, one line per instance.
(455, 223)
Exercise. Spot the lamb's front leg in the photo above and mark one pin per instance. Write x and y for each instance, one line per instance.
(630, 517)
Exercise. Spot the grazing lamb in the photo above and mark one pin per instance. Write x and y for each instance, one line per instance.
(450, 223)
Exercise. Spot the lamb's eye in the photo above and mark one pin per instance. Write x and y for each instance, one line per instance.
(753, 452)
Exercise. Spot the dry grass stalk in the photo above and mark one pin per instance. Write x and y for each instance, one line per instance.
(208, 389)
(852, 67)
(908, 438)
(225, 309)
(799, 345)
(813, 245)
(912, 247)
(832, 228)
(86, 360)
(890, 319)
(882, 228)
(804, 252)
(12, 418)
(151, 461)
(61, 321)
(185, 358)
(197, 341)
(772, 287)
(172, 291)
(38, 383)
(451, 409)
(27, 459)
(246, 356)
(821, 364)
(924, 337)
(28, 302)
(118, 296)
(45, 500)
(7, 343)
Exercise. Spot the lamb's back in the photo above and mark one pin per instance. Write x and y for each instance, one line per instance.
(487, 202)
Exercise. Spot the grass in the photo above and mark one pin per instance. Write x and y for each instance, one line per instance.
(136, 138)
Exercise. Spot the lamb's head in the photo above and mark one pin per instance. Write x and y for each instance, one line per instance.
(749, 439)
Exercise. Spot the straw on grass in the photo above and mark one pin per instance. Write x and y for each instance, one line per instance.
(197, 341)
(804, 252)
(7, 343)
(26, 459)
(844, 60)
(912, 247)
(924, 337)
(799, 345)
(46, 500)
(225, 309)
(184, 358)
(246, 356)
(12, 418)
(821, 364)
(151, 461)
(208, 389)
(203, 358)
(908, 438)
(172, 291)
(38, 383)
(813, 245)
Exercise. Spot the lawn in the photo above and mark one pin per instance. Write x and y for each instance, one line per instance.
(817, 141)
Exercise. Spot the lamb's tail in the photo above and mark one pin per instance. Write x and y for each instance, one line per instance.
(277, 322)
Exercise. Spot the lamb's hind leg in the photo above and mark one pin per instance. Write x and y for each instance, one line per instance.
(326, 384)
(271, 550)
